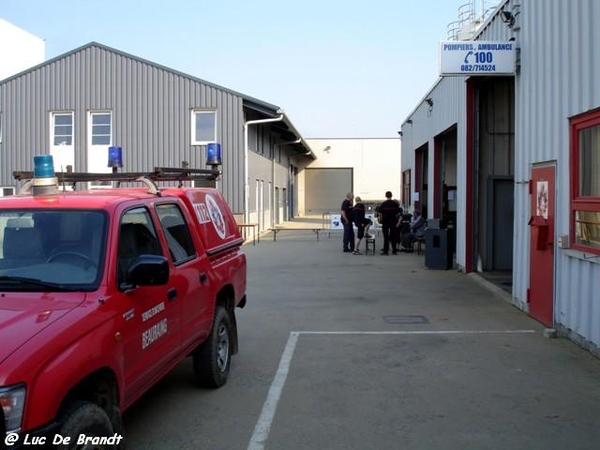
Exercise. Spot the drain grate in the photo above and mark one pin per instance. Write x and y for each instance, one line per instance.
(405, 319)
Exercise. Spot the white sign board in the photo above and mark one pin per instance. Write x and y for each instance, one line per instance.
(477, 58)
(336, 222)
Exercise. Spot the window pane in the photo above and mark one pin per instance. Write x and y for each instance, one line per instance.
(181, 246)
(100, 140)
(101, 119)
(63, 119)
(587, 228)
(205, 126)
(137, 237)
(101, 129)
(63, 130)
(63, 140)
(589, 162)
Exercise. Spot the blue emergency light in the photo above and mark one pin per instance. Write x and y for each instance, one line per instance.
(115, 157)
(43, 166)
(213, 154)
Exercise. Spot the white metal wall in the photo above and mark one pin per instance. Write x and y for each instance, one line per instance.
(557, 78)
(559, 43)
(449, 108)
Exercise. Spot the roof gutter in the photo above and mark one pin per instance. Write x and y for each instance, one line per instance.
(246, 180)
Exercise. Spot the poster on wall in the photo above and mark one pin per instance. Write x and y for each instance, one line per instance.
(336, 222)
(542, 199)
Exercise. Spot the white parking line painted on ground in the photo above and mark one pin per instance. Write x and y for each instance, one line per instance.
(263, 425)
(418, 332)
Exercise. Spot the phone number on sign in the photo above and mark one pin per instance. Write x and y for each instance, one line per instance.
(478, 68)
(13, 439)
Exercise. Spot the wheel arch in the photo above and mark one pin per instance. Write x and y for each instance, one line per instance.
(101, 388)
(226, 300)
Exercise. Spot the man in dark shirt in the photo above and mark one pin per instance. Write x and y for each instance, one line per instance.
(361, 222)
(388, 213)
(348, 239)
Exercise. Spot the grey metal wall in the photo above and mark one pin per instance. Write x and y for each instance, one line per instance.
(269, 162)
(151, 108)
(559, 43)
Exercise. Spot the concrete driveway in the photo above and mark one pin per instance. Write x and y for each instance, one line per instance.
(342, 351)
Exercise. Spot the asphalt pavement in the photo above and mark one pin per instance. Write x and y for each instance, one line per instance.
(343, 351)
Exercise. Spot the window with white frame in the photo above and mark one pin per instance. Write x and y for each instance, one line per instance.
(204, 126)
(101, 128)
(62, 129)
(585, 178)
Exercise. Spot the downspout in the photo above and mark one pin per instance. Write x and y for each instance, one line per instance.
(246, 173)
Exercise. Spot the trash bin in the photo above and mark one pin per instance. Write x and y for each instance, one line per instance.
(438, 252)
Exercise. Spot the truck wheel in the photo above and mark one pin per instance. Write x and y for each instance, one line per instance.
(213, 357)
(88, 419)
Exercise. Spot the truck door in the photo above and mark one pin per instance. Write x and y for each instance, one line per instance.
(151, 330)
(189, 274)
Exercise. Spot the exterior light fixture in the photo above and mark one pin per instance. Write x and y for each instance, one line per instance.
(508, 18)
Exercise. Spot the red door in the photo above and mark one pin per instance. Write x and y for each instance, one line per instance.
(541, 225)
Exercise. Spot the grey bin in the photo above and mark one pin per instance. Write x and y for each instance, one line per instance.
(438, 252)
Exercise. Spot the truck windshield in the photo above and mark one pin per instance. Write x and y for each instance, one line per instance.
(51, 249)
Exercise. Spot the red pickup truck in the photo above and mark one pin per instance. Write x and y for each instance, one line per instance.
(102, 292)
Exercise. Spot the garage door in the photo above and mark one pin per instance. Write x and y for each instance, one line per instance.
(326, 189)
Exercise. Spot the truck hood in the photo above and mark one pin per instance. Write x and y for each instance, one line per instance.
(23, 315)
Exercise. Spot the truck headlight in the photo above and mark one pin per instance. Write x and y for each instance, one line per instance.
(12, 401)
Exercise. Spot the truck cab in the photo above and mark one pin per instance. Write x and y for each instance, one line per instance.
(103, 292)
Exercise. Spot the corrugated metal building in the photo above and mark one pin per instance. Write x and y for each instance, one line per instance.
(78, 104)
(527, 162)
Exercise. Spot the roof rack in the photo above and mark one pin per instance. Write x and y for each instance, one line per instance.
(207, 177)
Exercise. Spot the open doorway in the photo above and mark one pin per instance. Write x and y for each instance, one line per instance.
(492, 174)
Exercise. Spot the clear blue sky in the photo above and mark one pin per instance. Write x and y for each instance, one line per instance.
(339, 68)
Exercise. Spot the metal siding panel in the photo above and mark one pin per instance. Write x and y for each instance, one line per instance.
(449, 109)
(556, 82)
(151, 113)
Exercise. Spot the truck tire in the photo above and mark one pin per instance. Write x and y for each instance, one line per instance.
(212, 358)
(84, 418)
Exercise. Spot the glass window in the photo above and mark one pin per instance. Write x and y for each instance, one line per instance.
(101, 129)
(62, 129)
(585, 168)
(58, 248)
(137, 236)
(204, 127)
(177, 233)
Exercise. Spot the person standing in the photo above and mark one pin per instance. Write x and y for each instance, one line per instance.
(348, 239)
(388, 213)
(362, 223)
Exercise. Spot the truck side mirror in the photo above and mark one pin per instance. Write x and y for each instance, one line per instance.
(148, 270)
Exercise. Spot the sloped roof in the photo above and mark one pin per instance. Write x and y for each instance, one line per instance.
(263, 108)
